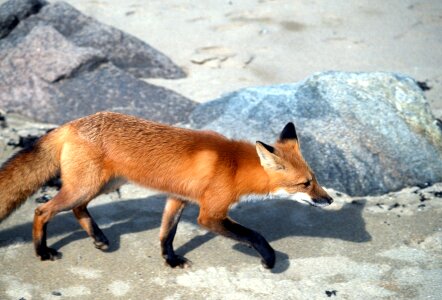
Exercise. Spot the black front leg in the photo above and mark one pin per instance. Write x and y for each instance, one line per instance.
(168, 253)
(171, 216)
(231, 229)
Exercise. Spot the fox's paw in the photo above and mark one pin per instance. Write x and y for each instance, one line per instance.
(49, 254)
(269, 260)
(102, 245)
(100, 240)
(178, 261)
(268, 264)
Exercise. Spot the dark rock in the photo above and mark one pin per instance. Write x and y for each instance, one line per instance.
(423, 85)
(423, 185)
(358, 202)
(395, 205)
(14, 11)
(57, 64)
(362, 133)
(123, 50)
(24, 141)
(3, 123)
(439, 123)
(140, 98)
(58, 82)
(331, 293)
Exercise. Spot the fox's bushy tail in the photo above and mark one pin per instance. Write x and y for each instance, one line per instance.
(26, 171)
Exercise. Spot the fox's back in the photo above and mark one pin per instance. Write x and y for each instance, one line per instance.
(155, 154)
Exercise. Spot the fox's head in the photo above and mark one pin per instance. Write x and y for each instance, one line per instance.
(290, 176)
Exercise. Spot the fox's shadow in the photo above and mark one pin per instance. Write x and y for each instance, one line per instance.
(284, 218)
(274, 219)
(278, 219)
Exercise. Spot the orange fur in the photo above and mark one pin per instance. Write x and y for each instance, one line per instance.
(27, 170)
(200, 166)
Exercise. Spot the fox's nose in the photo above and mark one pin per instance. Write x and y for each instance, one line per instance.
(323, 201)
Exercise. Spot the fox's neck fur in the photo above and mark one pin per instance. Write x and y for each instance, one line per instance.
(250, 177)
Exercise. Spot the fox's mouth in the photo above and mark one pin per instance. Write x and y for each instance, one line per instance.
(321, 202)
(304, 198)
(318, 203)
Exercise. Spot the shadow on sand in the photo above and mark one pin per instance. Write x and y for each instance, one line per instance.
(274, 219)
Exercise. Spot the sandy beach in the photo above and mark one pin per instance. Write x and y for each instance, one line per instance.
(383, 247)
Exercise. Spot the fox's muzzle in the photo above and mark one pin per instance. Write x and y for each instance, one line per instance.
(321, 202)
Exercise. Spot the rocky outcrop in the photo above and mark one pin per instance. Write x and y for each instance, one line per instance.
(12, 12)
(57, 65)
(18, 18)
(362, 133)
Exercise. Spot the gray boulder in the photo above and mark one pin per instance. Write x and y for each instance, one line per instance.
(48, 78)
(19, 17)
(12, 12)
(362, 133)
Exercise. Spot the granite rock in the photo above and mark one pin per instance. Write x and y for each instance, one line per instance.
(123, 50)
(12, 12)
(50, 79)
(362, 133)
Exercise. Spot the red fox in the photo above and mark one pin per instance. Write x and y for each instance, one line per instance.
(94, 152)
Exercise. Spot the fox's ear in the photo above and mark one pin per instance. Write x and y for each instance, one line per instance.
(288, 133)
(267, 157)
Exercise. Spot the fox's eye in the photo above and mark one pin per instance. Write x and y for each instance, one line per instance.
(307, 183)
